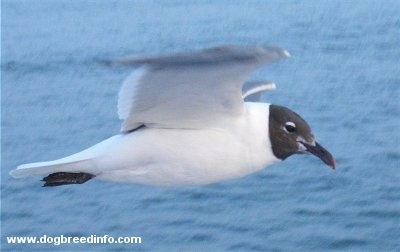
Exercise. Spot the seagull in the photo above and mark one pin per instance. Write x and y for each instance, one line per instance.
(190, 119)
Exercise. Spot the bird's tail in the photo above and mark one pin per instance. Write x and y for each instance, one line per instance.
(63, 171)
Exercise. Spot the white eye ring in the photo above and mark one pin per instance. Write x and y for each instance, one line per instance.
(290, 127)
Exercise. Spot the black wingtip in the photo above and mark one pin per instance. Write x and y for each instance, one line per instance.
(66, 178)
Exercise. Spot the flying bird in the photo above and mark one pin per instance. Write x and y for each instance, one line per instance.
(190, 119)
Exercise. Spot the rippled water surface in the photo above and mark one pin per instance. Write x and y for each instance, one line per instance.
(343, 77)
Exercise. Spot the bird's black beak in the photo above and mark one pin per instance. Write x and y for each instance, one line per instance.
(321, 152)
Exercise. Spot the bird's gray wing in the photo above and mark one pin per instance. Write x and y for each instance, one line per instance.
(190, 90)
(252, 90)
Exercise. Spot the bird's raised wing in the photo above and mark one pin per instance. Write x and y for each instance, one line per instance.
(251, 90)
(191, 90)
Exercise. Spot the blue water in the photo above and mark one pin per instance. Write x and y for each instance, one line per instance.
(343, 77)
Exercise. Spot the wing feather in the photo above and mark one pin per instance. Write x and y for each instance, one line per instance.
(252, 90)
(190, 90)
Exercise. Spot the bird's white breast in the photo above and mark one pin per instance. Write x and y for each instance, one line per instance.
(171, 157)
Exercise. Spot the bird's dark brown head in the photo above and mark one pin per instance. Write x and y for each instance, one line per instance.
(290, 134)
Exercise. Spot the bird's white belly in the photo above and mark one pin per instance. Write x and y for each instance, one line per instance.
(168, 174)
(168, 157)
(172, 157)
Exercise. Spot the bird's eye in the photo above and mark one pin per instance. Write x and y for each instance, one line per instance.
(290, 127)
